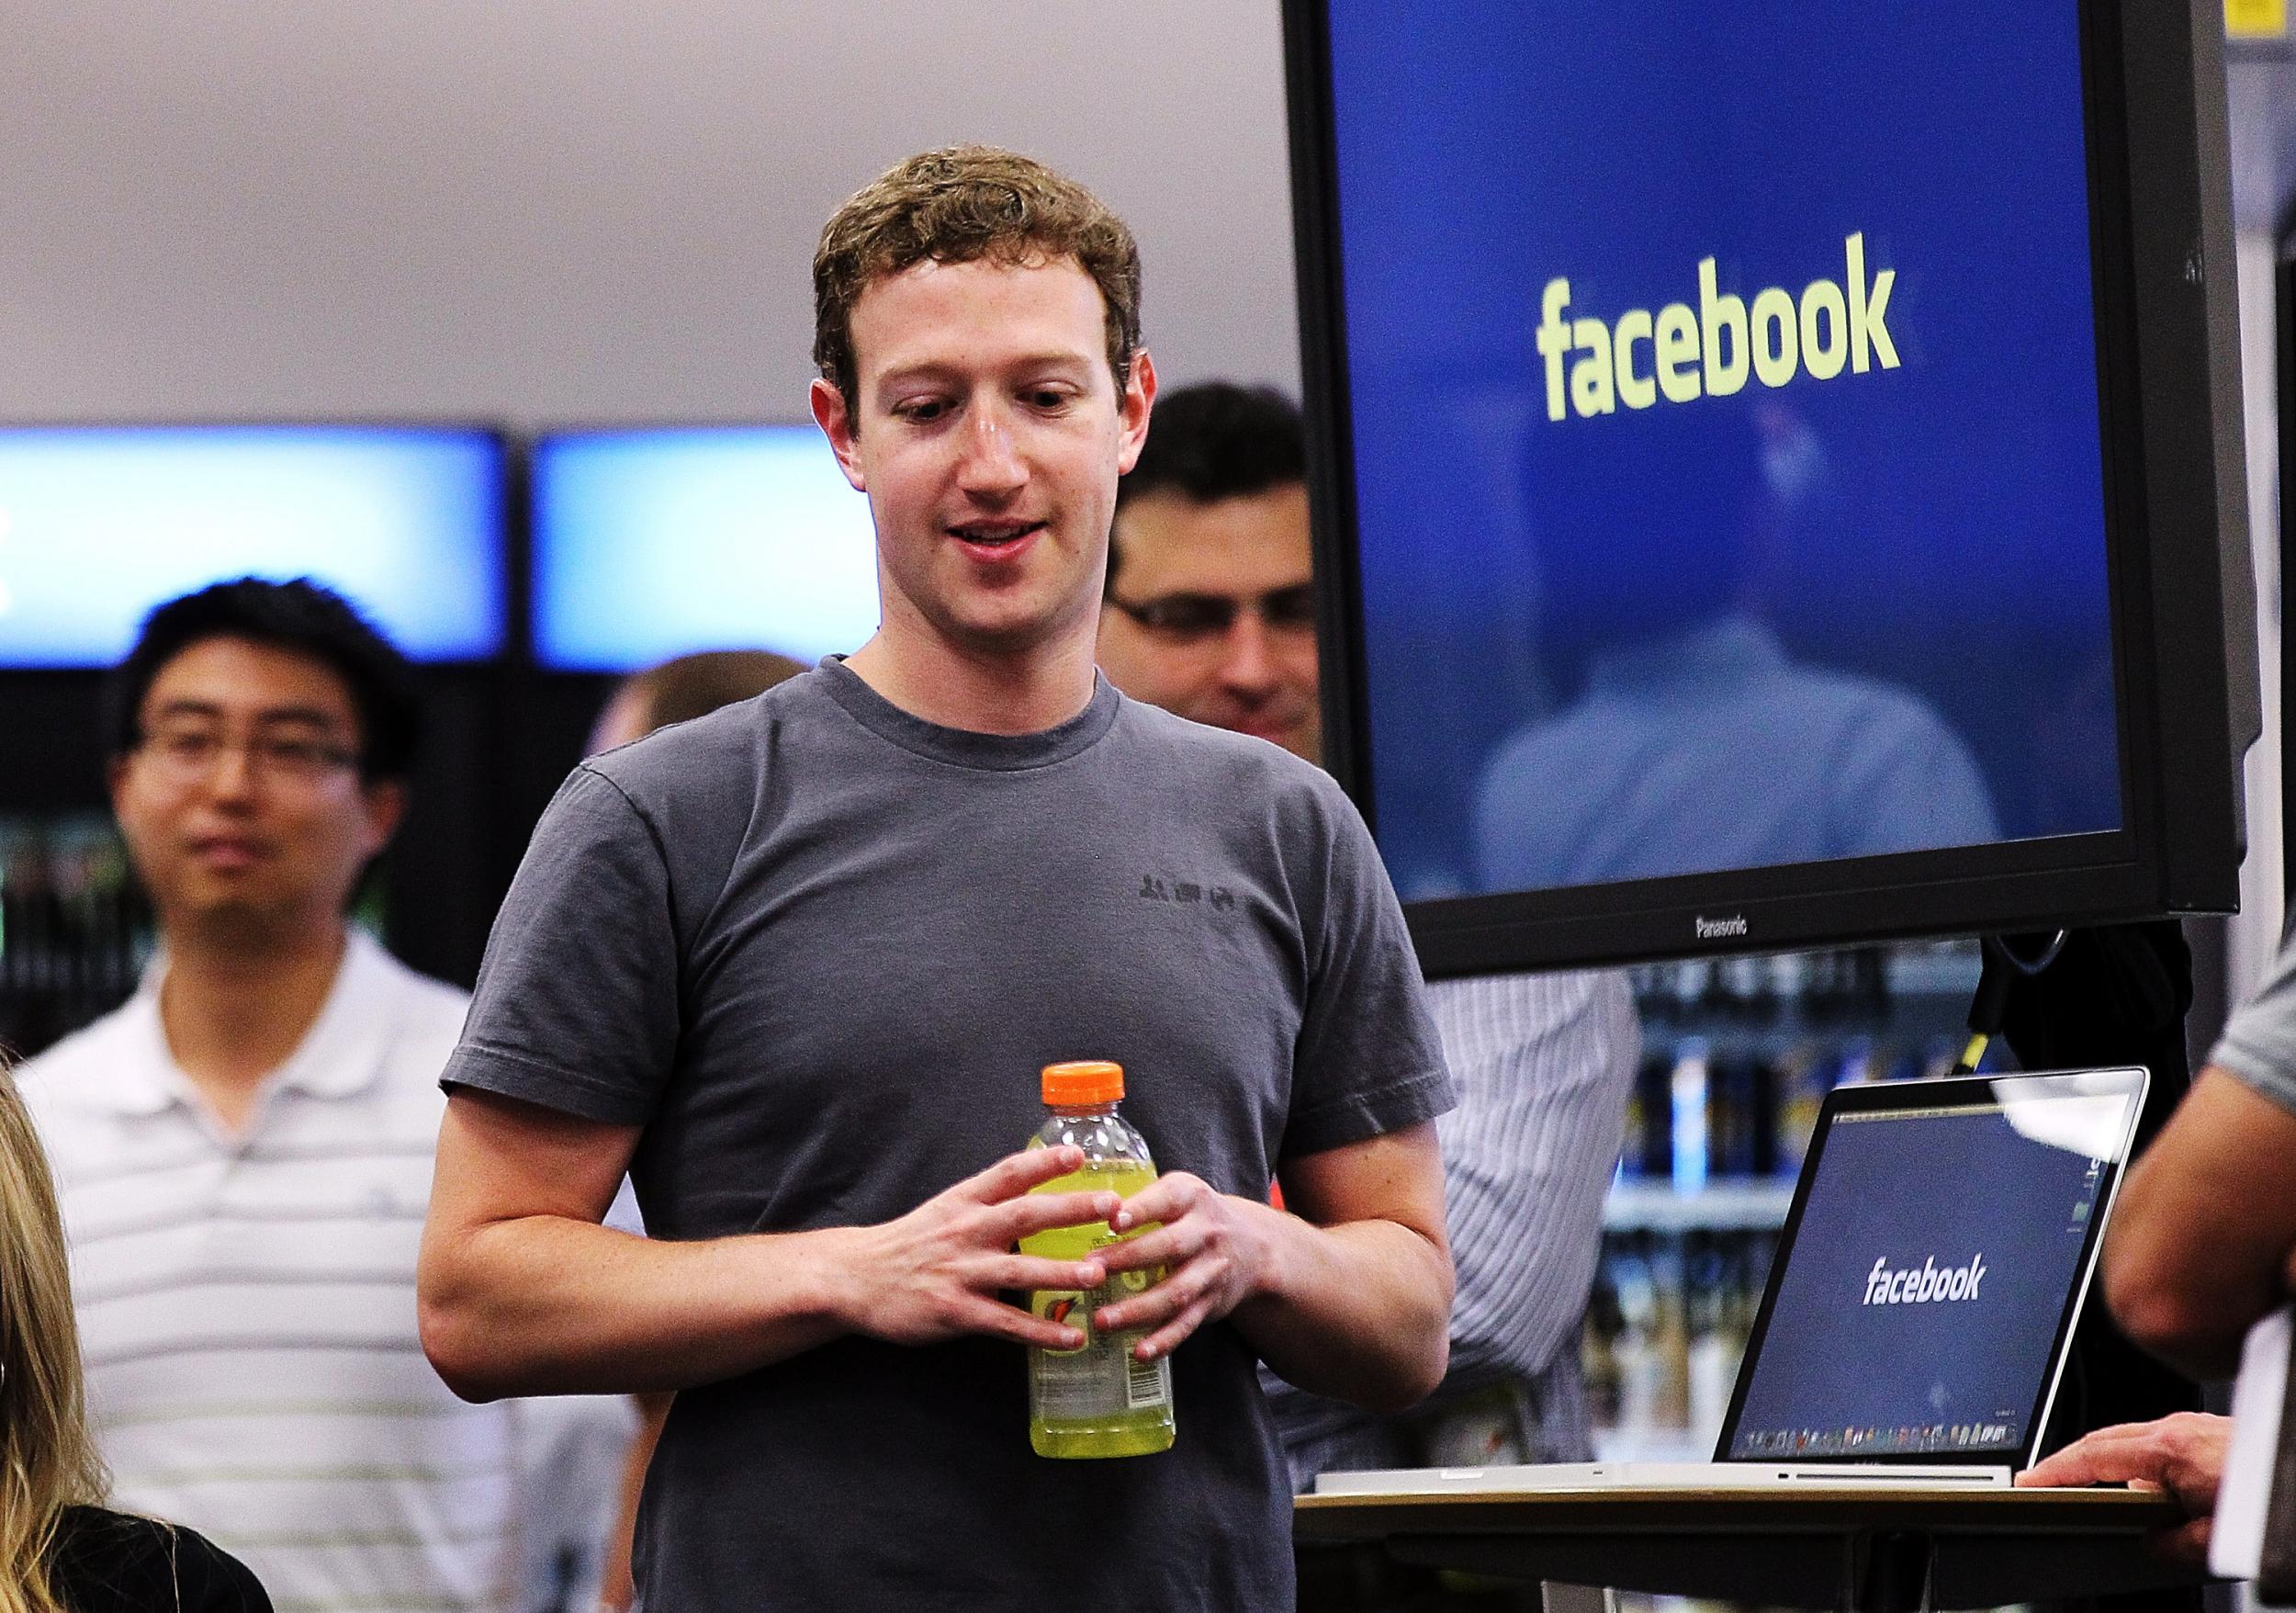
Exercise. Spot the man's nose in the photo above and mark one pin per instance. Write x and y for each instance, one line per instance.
(233, 776)
(991, 462)
(1247, 657)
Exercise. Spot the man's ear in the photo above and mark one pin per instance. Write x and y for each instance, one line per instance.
(386, 802)
(1131, 409)
(837, 424)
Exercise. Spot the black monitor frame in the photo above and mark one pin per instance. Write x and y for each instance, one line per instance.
(2181, 587)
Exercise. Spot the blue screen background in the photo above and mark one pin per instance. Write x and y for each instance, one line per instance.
(1917, 553)
(650, 544)
(98, 525)
(1944, 1186)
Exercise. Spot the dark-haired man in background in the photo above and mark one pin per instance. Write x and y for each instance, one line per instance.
(1209, 612)
(243, 1150)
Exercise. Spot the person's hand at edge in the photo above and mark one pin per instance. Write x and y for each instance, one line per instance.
(2182, 1455)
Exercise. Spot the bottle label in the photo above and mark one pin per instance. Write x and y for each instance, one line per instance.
(1100, 1378)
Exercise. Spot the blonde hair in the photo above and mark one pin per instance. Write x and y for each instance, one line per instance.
(46, 1460)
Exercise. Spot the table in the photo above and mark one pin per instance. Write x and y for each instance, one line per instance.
(1873, 1548)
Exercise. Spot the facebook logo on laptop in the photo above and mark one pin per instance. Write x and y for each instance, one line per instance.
(1928, 1285)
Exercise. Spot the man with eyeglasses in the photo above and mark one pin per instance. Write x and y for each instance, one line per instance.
(243, 1150)
(1209, 612)
(1209, 607)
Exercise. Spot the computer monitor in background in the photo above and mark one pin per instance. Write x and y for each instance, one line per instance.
(99, 524)
(652, 543)
(1779, 483)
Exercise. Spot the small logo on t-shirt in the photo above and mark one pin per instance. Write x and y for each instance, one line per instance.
(1185, 892)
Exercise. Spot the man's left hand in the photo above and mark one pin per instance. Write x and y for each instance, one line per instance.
(1216, 1251)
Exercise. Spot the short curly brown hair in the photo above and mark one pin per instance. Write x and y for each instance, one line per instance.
(955, 206)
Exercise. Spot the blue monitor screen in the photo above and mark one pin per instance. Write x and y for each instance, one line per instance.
(1724, 415)
(99, 524)
(650, 544)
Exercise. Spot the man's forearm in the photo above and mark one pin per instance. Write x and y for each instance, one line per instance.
(1359, 1311)
(2201, 1239)
(545, 1304)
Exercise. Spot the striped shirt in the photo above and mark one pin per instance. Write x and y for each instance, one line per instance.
(247, 1306)
(1542, 1064)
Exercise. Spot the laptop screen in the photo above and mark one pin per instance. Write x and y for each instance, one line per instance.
(1931, 1269)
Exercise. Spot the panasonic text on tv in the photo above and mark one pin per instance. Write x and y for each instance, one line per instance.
(1926, 1284)
(1679, 354)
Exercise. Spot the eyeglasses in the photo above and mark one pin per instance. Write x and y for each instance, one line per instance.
(188, 754)
(1189, 617)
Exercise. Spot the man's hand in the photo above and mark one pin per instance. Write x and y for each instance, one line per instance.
(2182, 1454)
(936, 1273)
(1215, 1249)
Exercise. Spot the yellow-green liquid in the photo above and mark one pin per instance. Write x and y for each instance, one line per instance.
(1136, 1431)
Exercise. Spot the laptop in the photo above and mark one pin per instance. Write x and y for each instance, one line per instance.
(1923, 1298)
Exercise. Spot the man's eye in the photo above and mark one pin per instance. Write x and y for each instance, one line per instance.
(1049, 397)
(188, 747)
(1185, 616)
(1291, 607)
(924, 411)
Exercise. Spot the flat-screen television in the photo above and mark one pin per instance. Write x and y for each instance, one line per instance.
(1777, 472)
(650, 543)
(100, 522)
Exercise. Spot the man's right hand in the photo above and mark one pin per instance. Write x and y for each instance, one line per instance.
(937, 1272)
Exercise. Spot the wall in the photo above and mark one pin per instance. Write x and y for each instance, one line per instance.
(569, 210)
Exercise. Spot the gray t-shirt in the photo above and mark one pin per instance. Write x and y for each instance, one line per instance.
(820, 950)
(2259, 1041)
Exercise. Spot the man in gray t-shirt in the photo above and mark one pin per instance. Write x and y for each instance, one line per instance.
(797, 964)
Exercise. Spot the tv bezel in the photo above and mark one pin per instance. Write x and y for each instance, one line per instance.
(2176, 531)
(509, 519)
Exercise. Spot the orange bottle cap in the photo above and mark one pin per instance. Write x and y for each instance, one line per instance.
(1085, 1081)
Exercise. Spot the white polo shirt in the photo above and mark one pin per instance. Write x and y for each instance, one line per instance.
(247, 1306)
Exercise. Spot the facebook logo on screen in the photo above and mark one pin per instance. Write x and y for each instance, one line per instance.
(1924, 1284)
(1708, 353)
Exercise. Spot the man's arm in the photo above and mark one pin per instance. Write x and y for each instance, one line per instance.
(522, 1291)
(2201, 1244)
(1347, 1294)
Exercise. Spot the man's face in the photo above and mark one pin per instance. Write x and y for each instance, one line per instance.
(1213, 612)
(242, 806)
(988, 433)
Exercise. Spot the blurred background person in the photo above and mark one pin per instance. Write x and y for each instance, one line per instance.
(243, 1149)
(59, 1550)
(1209, 612)
(683, 688)
(1691, 734)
